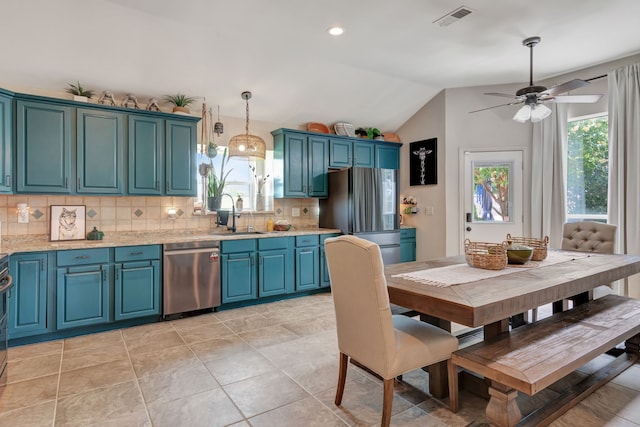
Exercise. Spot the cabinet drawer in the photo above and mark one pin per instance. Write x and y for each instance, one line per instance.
(244, 245)
(307, 240)
(82, 257)
(136, 253)
(407, 233)
(274, 243)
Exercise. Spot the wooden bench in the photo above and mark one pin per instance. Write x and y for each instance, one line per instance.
(532, 357)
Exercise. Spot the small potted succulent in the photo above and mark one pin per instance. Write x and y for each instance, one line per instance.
(79, 93)
(180, 103)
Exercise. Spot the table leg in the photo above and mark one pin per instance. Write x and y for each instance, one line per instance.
(438, 380)
(496, 328)
(502, 410)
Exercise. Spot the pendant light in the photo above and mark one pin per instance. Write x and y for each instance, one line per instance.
(247, 145)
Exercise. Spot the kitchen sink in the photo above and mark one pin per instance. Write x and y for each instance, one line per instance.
(237, 233)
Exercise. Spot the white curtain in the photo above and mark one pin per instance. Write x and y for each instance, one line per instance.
(548, 180)
(624, 163)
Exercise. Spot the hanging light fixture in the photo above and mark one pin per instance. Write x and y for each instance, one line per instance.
(247, 145)
(533, 110)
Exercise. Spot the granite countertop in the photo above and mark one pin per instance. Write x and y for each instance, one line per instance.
(34, 243)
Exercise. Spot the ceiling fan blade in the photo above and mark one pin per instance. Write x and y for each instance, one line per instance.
(504, 95)
(576, 99)
(496, 106)
(565, 87)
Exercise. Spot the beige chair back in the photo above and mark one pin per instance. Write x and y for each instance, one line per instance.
(589, 236)
(363, 314)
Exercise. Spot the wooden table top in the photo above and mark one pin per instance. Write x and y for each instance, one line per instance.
(487, 301)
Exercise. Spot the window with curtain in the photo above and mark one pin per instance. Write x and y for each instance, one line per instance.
(587, 168)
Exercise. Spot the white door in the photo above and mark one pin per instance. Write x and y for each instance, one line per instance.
(492, 182)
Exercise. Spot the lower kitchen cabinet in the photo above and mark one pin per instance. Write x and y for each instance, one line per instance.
(238, 272)
(137, 282)
(28, 302)
(307, 263)
(407, 244)
(82, 295)
(325, 281)
(275, 266)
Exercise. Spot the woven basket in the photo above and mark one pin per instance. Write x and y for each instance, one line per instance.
(539, 245)
(490, 256)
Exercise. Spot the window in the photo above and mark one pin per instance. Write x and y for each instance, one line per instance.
(588, 168)
(492, 196)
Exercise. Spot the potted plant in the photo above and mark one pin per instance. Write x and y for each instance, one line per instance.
(79, 93)
(216, 184)
(180, 103)
(370, 133)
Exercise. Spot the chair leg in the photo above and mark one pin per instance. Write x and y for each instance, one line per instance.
(387, 402)
(453, 385)
(342, 377)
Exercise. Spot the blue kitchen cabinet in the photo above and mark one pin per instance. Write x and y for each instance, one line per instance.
(325, 280)
(307, 263)
(238, 270)
(275, 266)
(146, 169)
(407, 244)
(363, 154)
(82, 287)
(99, 151)
(137, 282)
(387, 156)
(180, 152)
(340, 153)
(28, 302)
(43, 147)
(6, 127)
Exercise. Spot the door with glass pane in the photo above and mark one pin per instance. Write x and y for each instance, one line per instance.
(492, 182)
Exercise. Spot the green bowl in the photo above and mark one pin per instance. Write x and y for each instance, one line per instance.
(519, 256)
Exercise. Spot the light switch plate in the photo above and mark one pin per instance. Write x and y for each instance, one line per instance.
(428, 210)
(295, 211)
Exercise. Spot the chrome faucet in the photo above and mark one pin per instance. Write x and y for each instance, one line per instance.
(250, 222)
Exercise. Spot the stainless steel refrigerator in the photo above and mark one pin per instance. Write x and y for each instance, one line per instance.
(364, 202)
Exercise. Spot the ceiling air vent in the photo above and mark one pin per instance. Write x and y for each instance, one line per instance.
(452, 17)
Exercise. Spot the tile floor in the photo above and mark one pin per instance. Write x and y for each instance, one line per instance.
(268, 365)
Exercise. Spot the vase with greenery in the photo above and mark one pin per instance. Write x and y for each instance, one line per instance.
(180, 102)
(79, 93)
(216, 183)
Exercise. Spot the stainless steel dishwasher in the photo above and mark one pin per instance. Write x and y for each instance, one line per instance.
(191, 278)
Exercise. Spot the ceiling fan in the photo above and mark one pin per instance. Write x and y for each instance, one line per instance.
(534, 96)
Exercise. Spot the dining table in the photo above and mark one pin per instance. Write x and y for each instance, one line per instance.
(447, 290)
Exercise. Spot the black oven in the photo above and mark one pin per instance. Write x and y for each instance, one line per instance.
(5, 288)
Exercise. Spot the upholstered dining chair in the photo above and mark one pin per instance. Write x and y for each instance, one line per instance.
(368, 333)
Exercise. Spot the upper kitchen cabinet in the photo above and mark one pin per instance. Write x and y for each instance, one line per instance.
(43, 147)
(100, 151)
(345, 152)
(146, 169)
(387, 155)
(180, 151)
(6, 121)
(300, 164)
(363, 154)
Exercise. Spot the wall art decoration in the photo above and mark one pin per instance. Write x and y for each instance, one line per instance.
(68, 222)
(423, 162)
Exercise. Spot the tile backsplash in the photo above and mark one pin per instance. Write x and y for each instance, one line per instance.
(123, 213)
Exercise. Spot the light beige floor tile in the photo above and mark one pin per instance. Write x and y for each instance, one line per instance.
(268, 336)
(168, 359)
(582, 415)
(34, 350)
(240, 424)
(32, 416)
(204, 332)
(309, 412)
(118, 405)
(416, 417)
(616, 399)
(28, 393)
(264, 392)
(32, 368)
(250, 323)
(311, 326)
(629, 378)
(193, 321)
(178, 383)
(219, 348)
(92, 340)
(238, 313)
(154, 343)
(208, 409)
(317, 374)
(93, 377)
(295, 351)
(94, 355)
(142, 331)
(239, 367)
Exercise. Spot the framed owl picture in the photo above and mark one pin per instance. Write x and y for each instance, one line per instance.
(68, 222)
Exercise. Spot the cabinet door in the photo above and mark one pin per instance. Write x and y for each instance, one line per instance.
(340, 153)
(407, 250)
(6, 120)
(43, 147)
(100, 152)
(363, 154)
(238, 277)
(387, 157)
(325, 280)
(318, 149)
(307, 274)
(82, 295)
(295, 165)
(146, 169)
(275, 272)
(28, 300)
(137, 289)
(180, 151)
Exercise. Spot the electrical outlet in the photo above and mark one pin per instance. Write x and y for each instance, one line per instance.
(295, 211)
(428, 210)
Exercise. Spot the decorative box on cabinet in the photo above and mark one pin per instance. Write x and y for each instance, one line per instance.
(82, 287)
(238, 270)
(6, 127)
(275, 266)
(407, 244)
(307, 262)
(137, 282)
(29, 311)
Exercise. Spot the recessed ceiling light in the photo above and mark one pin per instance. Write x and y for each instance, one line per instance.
(336, 31)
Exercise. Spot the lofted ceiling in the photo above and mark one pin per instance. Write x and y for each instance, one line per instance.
(391, 60)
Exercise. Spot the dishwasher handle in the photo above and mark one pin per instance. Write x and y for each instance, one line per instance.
(215, 252)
